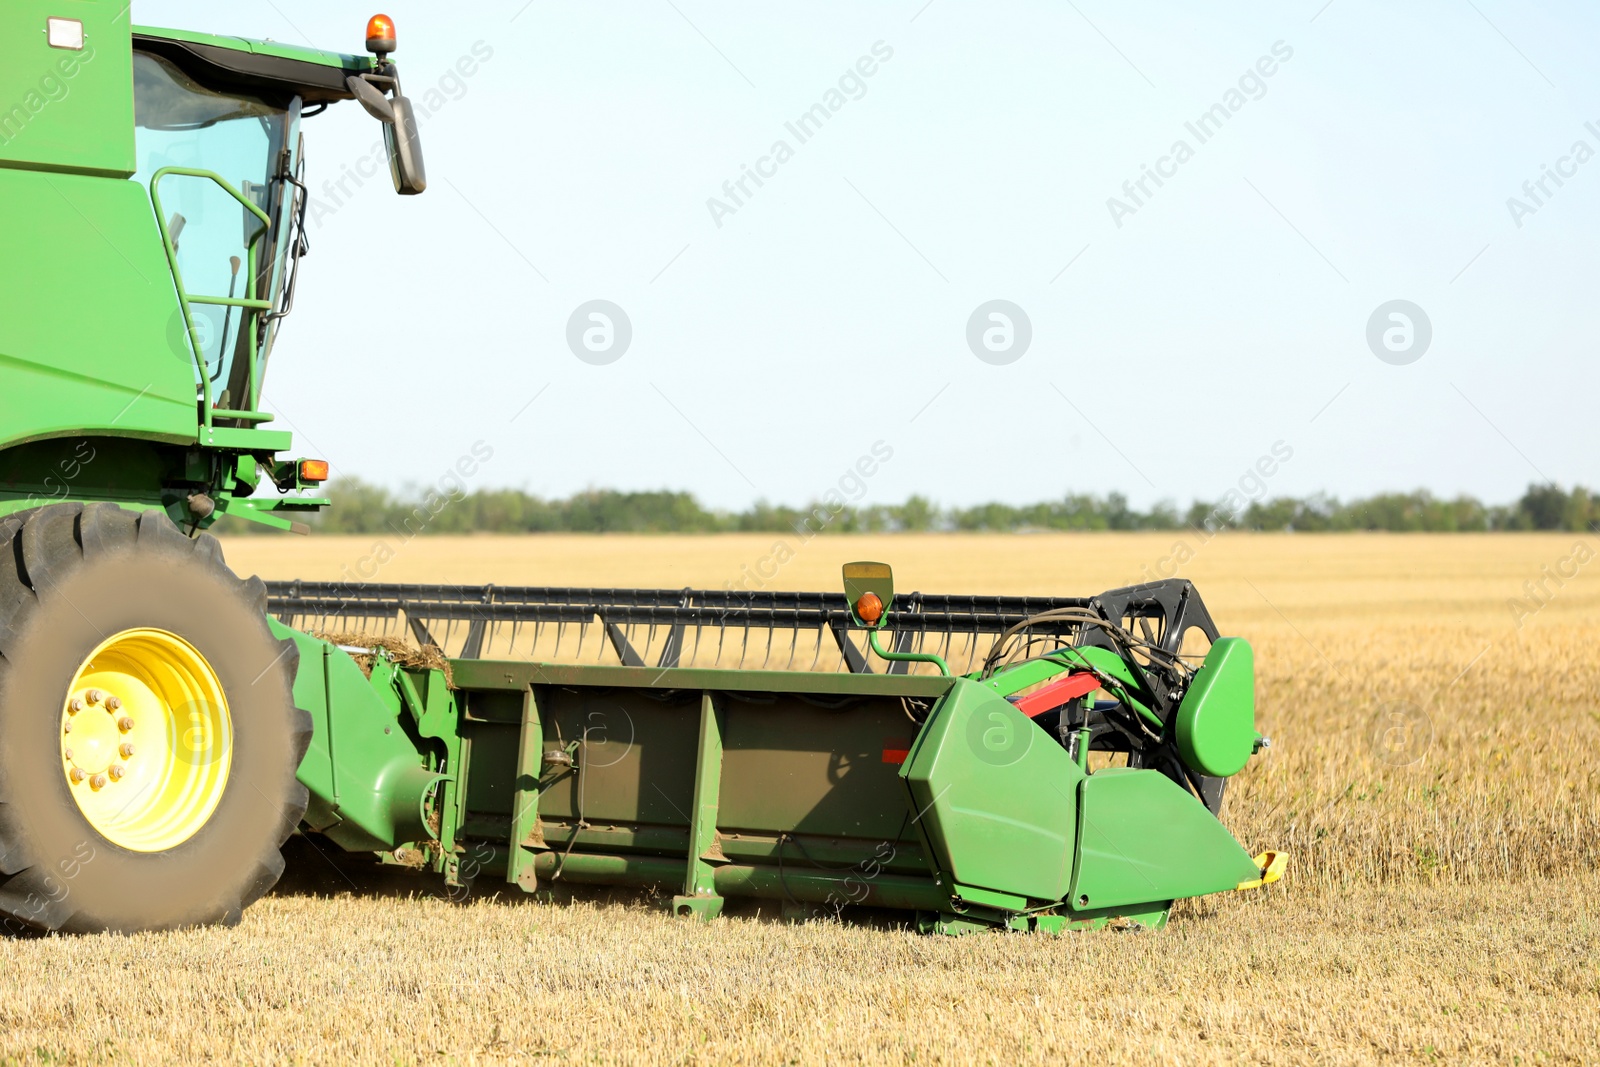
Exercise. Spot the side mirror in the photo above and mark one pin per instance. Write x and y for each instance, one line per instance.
(869, 590)
(371, 98)
(405, 149)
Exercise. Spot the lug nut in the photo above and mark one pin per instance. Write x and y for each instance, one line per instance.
(75, 705)
(117, 771)
(98, 781)
(68, 753)
(67, 729)
(93, 695)
(126, 749)
(113, 703)
(77, 775)
(124, 724)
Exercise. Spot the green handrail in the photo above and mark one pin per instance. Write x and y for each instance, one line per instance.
(184, 299)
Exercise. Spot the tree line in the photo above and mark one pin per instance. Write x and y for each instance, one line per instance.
(362, 508)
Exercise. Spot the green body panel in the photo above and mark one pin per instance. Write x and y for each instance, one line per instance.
(998, 796)
(1142, 839)
(1216, 723)
(65, 110)
(1015, 680)
(100, 352)
(367, 774)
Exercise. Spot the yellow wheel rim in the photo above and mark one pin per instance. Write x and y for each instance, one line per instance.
(146, 740)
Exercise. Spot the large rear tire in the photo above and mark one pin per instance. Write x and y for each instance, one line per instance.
(148, 734)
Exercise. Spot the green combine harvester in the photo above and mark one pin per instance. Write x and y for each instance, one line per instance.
(1024, 763)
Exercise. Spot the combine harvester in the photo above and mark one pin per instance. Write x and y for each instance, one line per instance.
(168, 725)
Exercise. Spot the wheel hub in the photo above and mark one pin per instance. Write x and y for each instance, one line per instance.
(146, 740)
(96, 741)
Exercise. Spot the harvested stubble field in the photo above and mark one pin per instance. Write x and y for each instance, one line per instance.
(1433, 774)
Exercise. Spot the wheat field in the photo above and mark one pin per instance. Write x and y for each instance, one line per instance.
(1434, 706)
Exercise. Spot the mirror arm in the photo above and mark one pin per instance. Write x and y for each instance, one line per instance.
(906, 657)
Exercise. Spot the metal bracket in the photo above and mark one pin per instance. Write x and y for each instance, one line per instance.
(525, 796)
(700, 897)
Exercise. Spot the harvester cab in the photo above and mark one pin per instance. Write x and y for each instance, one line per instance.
(984, 762)
(155, 200)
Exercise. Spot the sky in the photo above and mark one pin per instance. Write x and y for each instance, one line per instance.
(1327, 276)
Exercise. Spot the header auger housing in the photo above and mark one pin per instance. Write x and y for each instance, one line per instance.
(979, 761)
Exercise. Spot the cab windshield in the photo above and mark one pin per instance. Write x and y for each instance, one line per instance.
(222, 172)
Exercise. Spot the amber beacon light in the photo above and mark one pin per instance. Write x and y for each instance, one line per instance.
(380, 35)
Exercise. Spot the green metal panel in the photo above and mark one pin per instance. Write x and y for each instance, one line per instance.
(699, 883)
(633, 763)
(805, 777)
(707, 790)
(997, 796)
(65, 110)
(493, 674)
(792, 767)
(1216, 723)
(365, 773)
(101, 349)
(525, 795)
(789, 786)
(1142, 840)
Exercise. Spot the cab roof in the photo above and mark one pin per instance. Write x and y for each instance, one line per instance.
(257, 67)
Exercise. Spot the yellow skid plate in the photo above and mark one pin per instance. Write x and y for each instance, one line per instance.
(1272, 865)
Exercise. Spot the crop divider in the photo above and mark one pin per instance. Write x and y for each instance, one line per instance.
(699, 897)
(525, 838)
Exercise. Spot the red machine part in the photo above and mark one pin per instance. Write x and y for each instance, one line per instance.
(1056, 694)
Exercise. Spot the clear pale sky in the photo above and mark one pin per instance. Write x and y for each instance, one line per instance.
(1228, 312)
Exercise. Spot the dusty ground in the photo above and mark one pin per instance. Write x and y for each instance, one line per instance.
(1433, 774)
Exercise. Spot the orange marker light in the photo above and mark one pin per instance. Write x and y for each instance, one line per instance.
(869, 609)
(380, 35)
(313, 470)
